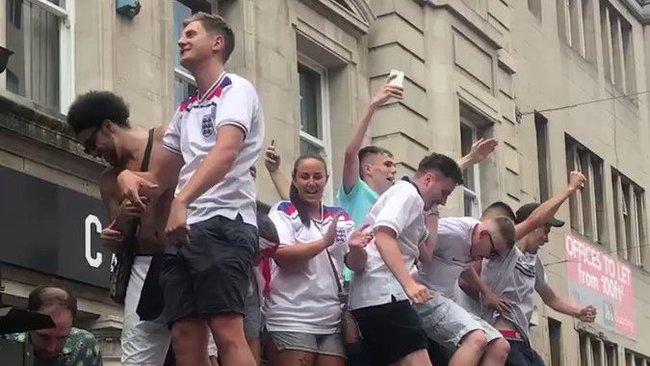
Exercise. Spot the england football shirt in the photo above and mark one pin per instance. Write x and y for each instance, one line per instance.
(231, 100)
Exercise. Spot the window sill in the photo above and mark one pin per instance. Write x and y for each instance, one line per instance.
(26, 119)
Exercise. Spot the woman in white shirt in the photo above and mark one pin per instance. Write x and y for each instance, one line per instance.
(303, 307)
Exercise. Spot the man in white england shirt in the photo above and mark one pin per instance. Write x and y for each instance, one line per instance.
(212, 142)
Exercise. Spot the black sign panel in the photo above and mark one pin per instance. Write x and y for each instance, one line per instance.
(52, 229)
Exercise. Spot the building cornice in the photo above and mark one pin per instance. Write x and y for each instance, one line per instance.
(640, 9)
(461, 10)
(27, 120)
(355, 16)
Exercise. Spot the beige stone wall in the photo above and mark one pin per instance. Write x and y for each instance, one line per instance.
(551, 74)
(132, 57)
(493, 55)
(271, 37)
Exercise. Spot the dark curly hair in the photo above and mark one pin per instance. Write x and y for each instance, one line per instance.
(92, 108)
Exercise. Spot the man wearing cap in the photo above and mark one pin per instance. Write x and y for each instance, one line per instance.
(518, 275)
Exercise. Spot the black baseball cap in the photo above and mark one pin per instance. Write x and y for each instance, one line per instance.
(524, 211)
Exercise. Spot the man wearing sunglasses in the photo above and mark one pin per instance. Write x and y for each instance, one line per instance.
(519, 275)
(100, 120)
(460, 242)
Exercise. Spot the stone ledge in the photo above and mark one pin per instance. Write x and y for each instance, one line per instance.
(28, 120)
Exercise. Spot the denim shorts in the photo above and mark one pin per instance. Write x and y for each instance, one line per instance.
(446, 322)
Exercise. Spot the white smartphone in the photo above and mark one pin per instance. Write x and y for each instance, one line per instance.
(398, 79)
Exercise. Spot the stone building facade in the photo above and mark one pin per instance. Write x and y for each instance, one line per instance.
(562, 85)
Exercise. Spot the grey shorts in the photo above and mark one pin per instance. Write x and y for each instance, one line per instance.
(447, 323)
(322, 344)
(252, 311)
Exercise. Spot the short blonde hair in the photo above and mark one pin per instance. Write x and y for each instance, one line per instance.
(217, 25)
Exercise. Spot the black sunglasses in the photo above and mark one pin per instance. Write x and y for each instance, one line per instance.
(90, 143)
(494, 254)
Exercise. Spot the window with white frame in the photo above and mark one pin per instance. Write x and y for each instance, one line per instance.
(597, 352)
(314, 112)
(314, 121)
(184, 83)
(629, 211)
(543, 161)
(576, 26)
(471, 185)
(587, 207)
(634, 359)
(618, 50)
(40, 33)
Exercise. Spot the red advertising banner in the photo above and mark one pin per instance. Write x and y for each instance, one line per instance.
(598, 279)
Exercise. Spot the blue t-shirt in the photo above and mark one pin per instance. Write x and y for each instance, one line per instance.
(358, 202)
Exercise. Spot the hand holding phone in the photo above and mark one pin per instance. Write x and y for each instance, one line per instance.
(396, 78)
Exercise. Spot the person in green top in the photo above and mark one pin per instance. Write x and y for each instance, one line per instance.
(63, 345)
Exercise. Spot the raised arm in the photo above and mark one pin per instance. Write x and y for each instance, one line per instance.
(481, 149)
(272, 164)
(386, 243)
(548, 208)
(351, 160)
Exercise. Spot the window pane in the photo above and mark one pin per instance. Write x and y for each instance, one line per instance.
(599, 198)
(33, 35)
(307, 148)
(610, 354)
(181, 12)
(310, 99)
(183, 90)
(541, 130)
(584, 354)
(468, 203)
(466, 140)
(595, 352)
(640, 204)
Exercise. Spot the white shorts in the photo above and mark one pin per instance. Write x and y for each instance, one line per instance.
(447, 323)
(145, 343)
